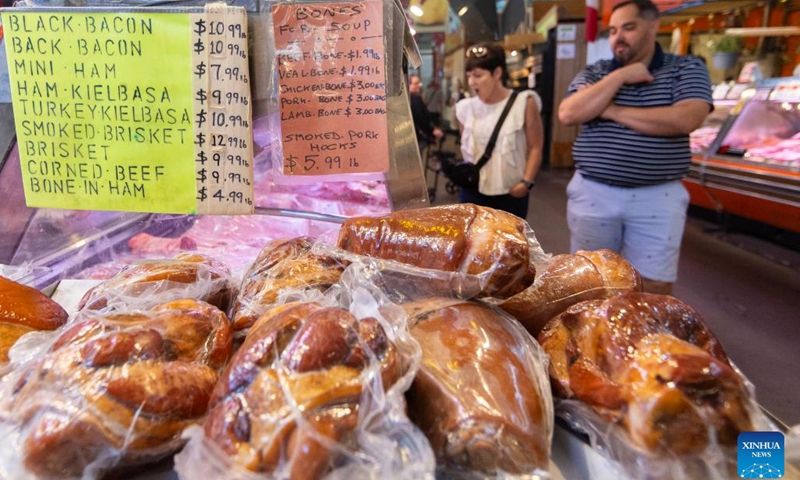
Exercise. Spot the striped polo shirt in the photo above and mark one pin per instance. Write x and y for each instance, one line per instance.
(611, 153)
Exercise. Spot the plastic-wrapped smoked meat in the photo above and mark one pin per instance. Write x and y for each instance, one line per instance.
(313, 392)
(490, 248)
(482, 395)
(569, 279)
(282, 265)
(112, 390)
(24, 309)
(147, 283)
(650, 384)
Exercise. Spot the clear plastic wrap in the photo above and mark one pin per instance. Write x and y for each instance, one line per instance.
(24, 309)
(25, 274)
(398, 46)
(568, 279)
(281, 265)
(316, 391)
(651, 386)
(490, 253)
(147, 283)
(110, 390)
(482, 394)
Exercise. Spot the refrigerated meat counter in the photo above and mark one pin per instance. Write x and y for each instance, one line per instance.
(746, 156)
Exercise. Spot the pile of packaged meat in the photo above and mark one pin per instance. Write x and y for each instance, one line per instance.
(431, 343)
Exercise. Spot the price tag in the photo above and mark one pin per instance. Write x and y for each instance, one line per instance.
(762, 93)
(223, 136)
(332, 87)
(786, 91)
(721, 91)
(736, 91)
(103, 106)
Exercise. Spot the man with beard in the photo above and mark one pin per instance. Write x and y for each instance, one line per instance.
(637, 111)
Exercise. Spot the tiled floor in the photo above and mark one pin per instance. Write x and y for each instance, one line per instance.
(746, 289)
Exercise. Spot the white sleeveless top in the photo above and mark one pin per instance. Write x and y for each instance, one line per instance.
(507, 165)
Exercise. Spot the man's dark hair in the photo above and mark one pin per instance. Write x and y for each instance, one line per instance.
(488, 56)
(647, 9)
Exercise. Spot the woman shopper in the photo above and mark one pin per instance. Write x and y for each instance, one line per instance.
(508, 177)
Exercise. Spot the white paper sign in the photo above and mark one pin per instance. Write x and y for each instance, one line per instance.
(566, 33)
(565, 51)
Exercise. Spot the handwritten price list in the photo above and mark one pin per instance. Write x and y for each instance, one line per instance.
(332, 87)
(223, 114)
(95, 130)
(104, 112)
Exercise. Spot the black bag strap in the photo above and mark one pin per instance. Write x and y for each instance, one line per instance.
(493, 139)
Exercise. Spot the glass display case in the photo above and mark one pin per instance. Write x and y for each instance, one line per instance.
(727, 96)
(765, 131)
(97, 244)
(701, 139)
(746, 156)
(71, 243)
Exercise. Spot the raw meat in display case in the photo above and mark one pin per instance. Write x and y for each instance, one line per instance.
(701, 139)
(97, 244)
(785, 152)
(765, 126)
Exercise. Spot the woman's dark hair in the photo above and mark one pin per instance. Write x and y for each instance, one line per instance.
(487, 56)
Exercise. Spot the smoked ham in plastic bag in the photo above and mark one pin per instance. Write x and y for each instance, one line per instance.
(651, 385)
(24, 309)
(569, 279)
(147, 283)
(113, 389)
(315, 391)
(481, 395)
(494, 247)
(282, 265)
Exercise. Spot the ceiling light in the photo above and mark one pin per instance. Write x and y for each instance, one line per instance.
(413, 32)
(514, 53)
(463, 10)
(416, 10)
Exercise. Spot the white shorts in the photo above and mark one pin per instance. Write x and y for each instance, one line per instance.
(644, 224)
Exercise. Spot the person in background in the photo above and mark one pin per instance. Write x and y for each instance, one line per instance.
(433, 101)
(456, 94)
(637, 111)
(508, 177)
(423, 125)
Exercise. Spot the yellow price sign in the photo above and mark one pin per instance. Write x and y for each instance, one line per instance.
(104, 109)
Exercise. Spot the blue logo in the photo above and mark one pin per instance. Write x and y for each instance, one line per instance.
(760, 455)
